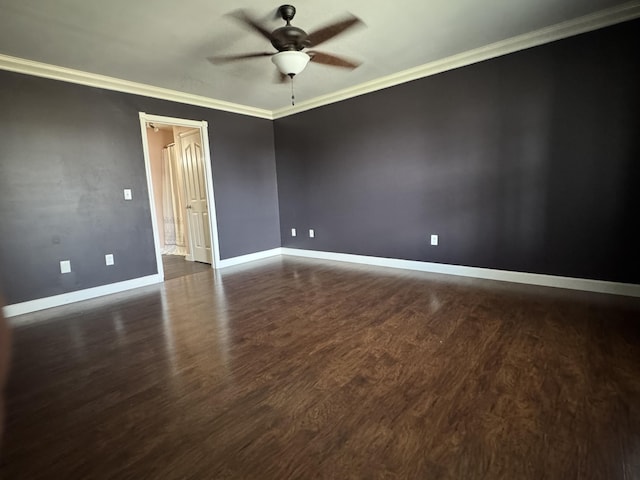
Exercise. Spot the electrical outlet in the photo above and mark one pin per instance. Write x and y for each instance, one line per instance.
(127, 194)
(312, 234)
(293, 232)
(434, 239)
(108, 259)
(65, 266)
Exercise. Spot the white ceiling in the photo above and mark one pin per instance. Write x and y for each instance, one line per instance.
(166, 43)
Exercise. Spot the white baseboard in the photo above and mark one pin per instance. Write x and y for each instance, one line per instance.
(588, 285)
(599, 286)
(89, 293)
(229, 262)
(79, 295)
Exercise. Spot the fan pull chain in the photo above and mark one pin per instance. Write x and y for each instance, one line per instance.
(293, 98)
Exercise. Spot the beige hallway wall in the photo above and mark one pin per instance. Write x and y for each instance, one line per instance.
(157, 141)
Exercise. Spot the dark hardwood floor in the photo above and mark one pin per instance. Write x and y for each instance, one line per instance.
(292, 368)
(175, 266)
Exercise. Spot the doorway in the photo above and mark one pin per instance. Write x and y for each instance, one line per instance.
(180, 185)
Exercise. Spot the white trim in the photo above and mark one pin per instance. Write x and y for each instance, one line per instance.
(229, 262)
(599, 286)
(38, 69)
(211, 198)
(587, 23)
(203, 128)
(78, 296)
(152, 203)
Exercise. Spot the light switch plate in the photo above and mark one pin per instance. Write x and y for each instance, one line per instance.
(434, 239)
(65, 266)
(312, 234)
(108, 259)
(293, 232)
(127, 194)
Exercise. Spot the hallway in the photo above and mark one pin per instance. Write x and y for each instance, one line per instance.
(175, 266)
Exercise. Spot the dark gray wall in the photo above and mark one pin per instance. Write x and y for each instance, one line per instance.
(528, 162)
(66, 154)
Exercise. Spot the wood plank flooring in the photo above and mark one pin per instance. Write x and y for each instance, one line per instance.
(175, 266)
(295, 368)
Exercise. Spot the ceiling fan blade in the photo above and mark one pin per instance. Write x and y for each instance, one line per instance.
(276, 15)
(232, 58)
(332, 60)
(243, 17)
(322, 35)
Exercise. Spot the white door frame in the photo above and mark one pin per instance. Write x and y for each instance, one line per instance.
(204, 133)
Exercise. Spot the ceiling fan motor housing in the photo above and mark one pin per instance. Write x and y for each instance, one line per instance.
(289, 38)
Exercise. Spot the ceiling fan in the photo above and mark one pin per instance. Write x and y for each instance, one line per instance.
(290, 41)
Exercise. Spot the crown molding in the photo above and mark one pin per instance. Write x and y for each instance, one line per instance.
(587, 23)
(38, 69)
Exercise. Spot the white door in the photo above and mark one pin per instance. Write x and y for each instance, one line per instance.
(197, 207)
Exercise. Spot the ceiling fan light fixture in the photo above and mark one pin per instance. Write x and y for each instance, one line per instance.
(290, 62)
